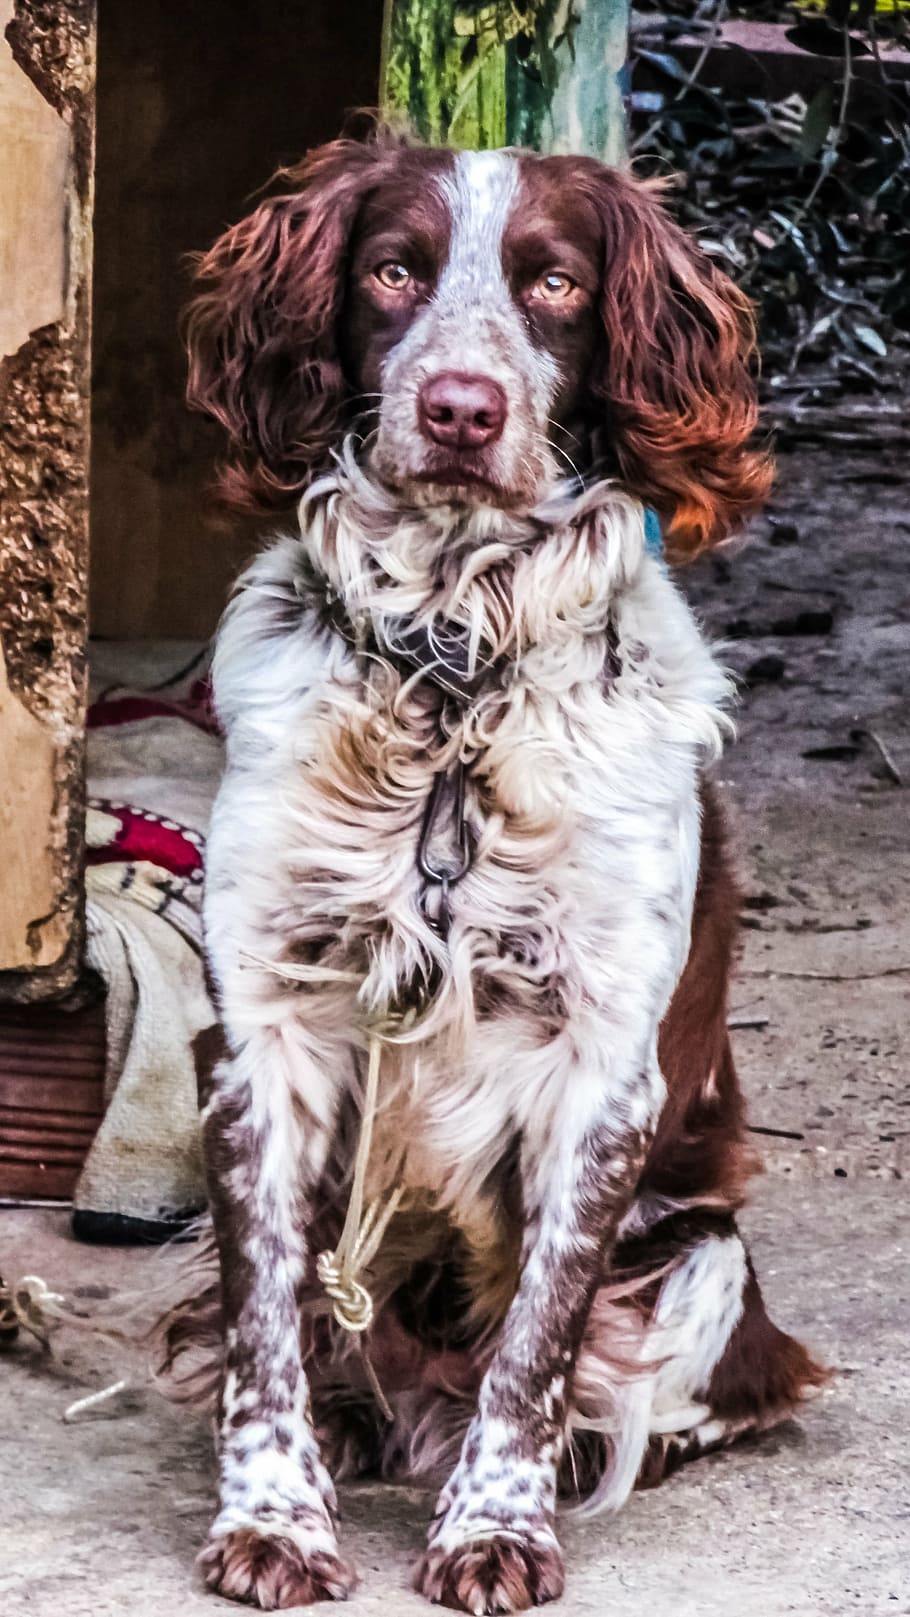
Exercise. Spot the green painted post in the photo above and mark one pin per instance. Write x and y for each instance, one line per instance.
(537, 73)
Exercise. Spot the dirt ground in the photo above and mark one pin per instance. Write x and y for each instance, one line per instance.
(103, 1517)
(815, 613)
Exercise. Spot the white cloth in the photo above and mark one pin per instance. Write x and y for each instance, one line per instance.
(146, 1160)
(153, 769)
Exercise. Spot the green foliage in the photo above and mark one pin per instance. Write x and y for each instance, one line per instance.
(503, 72)
(463, 70)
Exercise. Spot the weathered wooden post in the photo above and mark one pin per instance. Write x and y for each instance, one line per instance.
(544, 74)
(47, 53)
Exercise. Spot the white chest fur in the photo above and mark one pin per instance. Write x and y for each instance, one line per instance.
(582, 794)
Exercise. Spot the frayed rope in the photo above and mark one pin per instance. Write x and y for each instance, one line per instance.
(30, 1304)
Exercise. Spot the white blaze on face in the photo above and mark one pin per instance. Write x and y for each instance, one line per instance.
(481, 194)
(472, 325)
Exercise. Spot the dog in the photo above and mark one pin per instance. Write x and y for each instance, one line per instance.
(473, 1130)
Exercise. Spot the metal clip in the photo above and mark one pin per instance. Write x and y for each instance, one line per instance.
(445, 878)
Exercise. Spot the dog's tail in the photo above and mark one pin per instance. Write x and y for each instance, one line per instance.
(686, 1363)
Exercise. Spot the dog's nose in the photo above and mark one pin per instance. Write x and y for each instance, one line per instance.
(462, 412)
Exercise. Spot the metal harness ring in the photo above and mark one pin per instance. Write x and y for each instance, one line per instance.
(445, 878)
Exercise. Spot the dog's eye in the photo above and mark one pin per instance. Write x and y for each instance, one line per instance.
(396, 277)
(554, 287)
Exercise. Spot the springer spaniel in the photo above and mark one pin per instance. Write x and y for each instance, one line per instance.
(469, 912)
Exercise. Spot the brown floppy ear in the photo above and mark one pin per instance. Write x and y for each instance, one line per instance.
(263, 358)
(675, 374)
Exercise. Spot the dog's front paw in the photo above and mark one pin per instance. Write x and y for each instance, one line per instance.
(503, 1573)
(271, 1571)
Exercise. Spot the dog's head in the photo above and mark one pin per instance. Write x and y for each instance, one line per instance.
(490, 320)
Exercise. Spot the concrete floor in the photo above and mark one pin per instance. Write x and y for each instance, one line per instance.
(103, 1518)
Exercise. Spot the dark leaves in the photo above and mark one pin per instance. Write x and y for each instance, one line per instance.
(816, 123)
(665, 63)
(805, 201)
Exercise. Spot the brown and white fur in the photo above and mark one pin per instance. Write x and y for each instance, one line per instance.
(563, 1300)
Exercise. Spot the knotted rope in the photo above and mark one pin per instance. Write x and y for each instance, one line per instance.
(30, 1303)
(361, 1234)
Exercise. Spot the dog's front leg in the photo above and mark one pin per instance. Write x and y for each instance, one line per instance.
(266, 1127)
(492, 1546)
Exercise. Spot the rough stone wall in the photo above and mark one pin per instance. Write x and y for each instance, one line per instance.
(47, 70)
